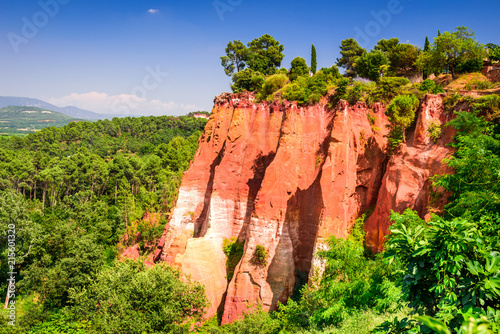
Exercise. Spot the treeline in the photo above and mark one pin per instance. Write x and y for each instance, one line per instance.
(256, 67)
(100, 157)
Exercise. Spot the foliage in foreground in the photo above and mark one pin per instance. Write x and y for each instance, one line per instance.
(451, 265)
(128, 297)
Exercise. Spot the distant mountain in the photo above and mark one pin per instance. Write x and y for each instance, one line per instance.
(71, 111)
(27, 119)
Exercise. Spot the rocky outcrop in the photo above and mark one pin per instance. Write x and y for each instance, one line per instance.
(407, 183)
(286, 177)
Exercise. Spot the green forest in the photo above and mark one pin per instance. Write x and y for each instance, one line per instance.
(70, 195)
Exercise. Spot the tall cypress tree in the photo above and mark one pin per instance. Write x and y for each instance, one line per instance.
(313, 59)
(427, 45)
(427, 48)
(439, 33)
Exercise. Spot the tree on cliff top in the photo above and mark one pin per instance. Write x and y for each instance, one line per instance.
(298, 68)
(265, 54)
(451, 49)
(386, 45)
(350, 51)
(314, 63)
(368, 65)
(403, 58)
(235, 58)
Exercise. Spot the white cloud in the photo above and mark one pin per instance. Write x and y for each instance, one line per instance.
(123, 104)
(153, 11)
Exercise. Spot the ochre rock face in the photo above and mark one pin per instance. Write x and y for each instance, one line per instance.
(407, 183)
(286, 177)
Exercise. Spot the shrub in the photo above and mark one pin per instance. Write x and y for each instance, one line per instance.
(333, 71)
(470, 66)
(297, 91)
(318, 86)
(307, 89)
(271, 85)
(489, 105)
(359, 91)
(451, 101)
(247, 79)
(401, 113)
(389, 87)
(234, 251)
(368, 65)
(260, 255)
(298, 68)
(131, 298)
(434, 130)
(340, 91)
(430, 86)
(479, 84)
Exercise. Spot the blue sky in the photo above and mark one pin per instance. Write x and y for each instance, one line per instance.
(163, 57)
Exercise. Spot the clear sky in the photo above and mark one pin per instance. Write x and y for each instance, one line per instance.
(163, 57)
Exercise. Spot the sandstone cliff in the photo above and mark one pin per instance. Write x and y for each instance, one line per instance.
(286, 177)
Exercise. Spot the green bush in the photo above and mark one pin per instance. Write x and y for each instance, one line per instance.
(470, 66)
(234, 251)
(306, 90)
(449, 266)
(260, 255)
(318, 86)
(341, 88)
(353, 281)
(430, 86)
(247, 79)
(401, 114)
(298, 68)
(333, 72)
(359, 91)
(488, 105)
(131, 298)
(450, 102)
(271, 85)
(434, 130)
(297, 91)
(255, 322)
(368, 65)
(389, 87)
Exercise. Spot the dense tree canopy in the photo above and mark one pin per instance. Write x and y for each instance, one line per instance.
(74, 192)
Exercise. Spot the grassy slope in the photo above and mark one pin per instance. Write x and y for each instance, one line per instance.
(21, 119)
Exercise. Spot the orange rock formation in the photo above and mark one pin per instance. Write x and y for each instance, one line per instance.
(286, 177)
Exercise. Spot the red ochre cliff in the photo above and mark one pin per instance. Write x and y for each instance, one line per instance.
(286, 177)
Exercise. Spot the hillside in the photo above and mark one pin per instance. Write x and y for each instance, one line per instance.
(23, 119)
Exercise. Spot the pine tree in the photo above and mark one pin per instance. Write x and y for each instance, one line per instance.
(439, 33)
(313, 59)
